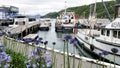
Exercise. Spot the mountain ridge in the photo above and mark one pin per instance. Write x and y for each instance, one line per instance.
(83, 11)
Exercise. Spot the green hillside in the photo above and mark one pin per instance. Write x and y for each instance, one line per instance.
(83, 11)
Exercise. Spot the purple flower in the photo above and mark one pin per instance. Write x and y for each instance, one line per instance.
(63, 39)
(37, 42)
(105, 53)
(53, 43)
(114, 50)
(28, 40)
(7, 65)
(100, 54)
(2, 48)
(40, 39)
(39, 56)
(36, 37)
(73, 41)
(67, 37)
(46, 42)
(41, 42)
(19, 38)
(34, 65)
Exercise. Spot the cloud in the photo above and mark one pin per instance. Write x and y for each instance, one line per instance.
(44, 6)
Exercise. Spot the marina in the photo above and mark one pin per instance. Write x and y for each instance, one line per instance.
(70, 38)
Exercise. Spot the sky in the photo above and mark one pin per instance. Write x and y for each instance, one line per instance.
(42, 7)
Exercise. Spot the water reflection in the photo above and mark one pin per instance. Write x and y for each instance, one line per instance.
(52, 36)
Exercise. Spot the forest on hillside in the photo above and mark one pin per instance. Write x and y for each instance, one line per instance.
(83, 11)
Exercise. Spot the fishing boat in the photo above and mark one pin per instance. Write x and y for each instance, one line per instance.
(45, 24)
(107, 41)
(66, 21)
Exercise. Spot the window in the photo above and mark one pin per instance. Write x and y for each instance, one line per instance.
(103, 32)
(108, 32)
(115, 34)
(119, 34)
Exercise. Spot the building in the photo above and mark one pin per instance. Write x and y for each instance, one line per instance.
(7, 12)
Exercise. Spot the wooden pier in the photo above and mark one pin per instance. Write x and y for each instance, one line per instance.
(23, 30)
(82, 62)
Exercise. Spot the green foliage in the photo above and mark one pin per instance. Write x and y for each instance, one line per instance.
(18, 60)
(51, 15)
(83, 11)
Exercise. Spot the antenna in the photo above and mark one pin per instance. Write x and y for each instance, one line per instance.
(94, 12)
(65, 6)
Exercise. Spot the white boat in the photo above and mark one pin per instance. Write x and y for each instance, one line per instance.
(45, 24)
(109, 38)
(20, 20)
(66, 21)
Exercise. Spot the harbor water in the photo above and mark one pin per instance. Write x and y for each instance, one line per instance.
(52, 36)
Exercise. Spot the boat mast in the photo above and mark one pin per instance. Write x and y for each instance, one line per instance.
(93, 17)
(65, 6)
(117, 8)
(107, 11)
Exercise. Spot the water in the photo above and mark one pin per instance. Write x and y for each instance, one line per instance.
(51, 36)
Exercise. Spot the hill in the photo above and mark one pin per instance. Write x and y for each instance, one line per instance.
(83, 11)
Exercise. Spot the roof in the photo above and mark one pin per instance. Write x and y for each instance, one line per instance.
(114, 24)
(32, 36)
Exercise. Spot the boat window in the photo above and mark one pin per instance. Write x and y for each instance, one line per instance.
(115, 34)
(119, 34)
(103, 32)
(108, 32)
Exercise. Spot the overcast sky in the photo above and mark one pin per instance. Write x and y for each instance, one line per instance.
(44, 6)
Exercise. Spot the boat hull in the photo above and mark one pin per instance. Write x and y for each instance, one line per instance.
(97, 47)
(44, 28)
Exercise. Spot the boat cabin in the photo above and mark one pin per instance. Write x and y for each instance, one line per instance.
(66, 18)
(111, 31)
(21, 20)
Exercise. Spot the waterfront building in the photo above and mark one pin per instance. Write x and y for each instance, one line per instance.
(8, 12)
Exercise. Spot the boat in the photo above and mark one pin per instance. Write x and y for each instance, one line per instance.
(21, 20)
(105, 40)
(66, 21)
(45, 24)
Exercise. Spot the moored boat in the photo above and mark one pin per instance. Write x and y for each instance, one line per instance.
(108, 40)
(66, 21)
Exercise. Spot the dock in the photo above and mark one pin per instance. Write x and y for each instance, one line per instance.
(23, 30)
